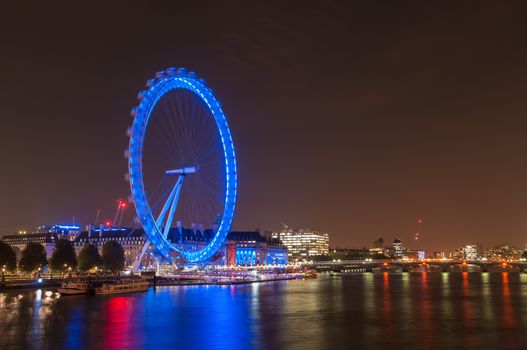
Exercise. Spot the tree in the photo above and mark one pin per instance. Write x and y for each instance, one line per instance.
(7, 256)
(89, 257)
(63, 256)
(113, 256)
(33, 256)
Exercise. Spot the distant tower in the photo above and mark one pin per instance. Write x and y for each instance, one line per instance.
(419, 228)
(378, 244)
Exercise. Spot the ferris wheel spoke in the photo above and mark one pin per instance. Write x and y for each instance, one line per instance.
(166, 206)
(172, 203)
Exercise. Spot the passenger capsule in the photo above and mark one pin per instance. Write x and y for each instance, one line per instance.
(128, 132)
(133, 112)
(149, 83)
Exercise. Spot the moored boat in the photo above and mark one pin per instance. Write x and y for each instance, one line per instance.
(73, 287)
(310, 274)
(122, 286)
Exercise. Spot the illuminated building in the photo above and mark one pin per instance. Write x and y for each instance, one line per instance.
(504, 252)
(398, 249)
(45, 235)
(470, 252)
(63, 231)
(304, 243)
(131, 240)
(251, 248)
(19, 241)
(247, 248)
(240, 248)
(421, 254)
(437, 255)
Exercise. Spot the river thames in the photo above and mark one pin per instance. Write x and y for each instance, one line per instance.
(355, 311)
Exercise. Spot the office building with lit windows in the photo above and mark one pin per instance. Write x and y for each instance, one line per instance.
(303, 243)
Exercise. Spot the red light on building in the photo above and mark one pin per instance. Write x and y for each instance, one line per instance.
(108, 223)
(420, 221)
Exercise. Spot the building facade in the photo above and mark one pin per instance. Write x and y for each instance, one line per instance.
(243, 248)
(470, 252)
(303, 243)
(19, 241)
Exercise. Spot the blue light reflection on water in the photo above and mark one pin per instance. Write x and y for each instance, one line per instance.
(399, 311)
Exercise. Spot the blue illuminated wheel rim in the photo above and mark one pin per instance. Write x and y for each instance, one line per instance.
(165, 83)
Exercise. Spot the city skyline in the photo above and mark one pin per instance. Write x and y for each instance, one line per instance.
(341, 123)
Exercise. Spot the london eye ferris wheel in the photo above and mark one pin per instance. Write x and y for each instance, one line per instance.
(181, 163)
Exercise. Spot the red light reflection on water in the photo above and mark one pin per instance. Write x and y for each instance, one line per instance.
(469, 340)
(467, 308)
(386, 298)
(464, 276)
(116, 330)
(508, 315)
(387, 313)
(425, 310)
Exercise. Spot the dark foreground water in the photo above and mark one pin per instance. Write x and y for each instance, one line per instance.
(356, 311)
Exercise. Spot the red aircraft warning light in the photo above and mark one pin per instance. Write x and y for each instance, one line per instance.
(107, 223)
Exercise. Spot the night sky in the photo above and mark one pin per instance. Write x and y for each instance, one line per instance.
(355, 119)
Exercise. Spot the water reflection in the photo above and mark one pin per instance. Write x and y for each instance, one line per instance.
(387, 311)
(508, 315)
(370, 310)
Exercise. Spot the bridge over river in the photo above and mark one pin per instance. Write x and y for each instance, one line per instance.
(386, 265)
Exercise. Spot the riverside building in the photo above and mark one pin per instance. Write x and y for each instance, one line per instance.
(242, 248)
(303, 243)
(45, 235)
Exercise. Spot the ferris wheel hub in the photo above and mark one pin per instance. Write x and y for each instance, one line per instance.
(183, 171)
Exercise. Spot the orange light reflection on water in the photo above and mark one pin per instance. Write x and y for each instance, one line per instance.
(508, 315)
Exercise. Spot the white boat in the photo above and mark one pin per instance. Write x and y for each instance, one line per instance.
(122, 286)
(74, 287)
